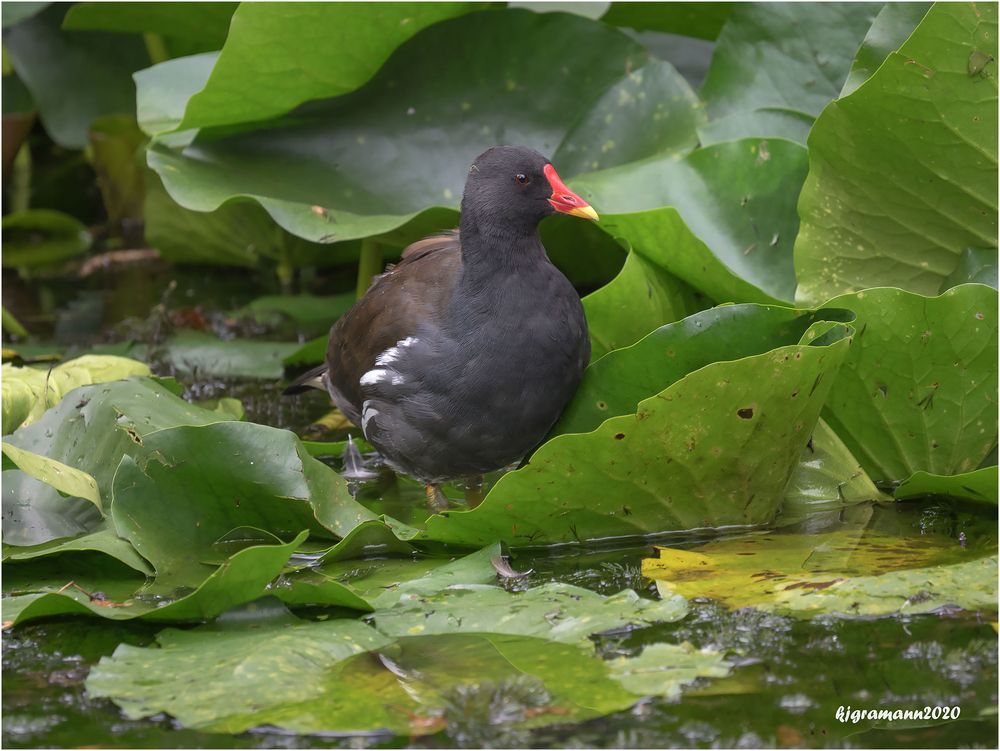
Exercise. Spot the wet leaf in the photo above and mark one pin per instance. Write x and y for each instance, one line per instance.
(850, 571)
(924, 126)
(731, 220)
(39, 237)
(794, 56)
(103, 541)
(979, 485)
(74, 77)
(717, 447)
(918, 388)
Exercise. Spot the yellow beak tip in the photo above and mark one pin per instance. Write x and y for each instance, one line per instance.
(584, 212)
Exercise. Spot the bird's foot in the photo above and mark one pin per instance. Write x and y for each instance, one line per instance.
(435, 498)
(474, 491)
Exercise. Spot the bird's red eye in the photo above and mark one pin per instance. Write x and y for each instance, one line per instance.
(522, 179)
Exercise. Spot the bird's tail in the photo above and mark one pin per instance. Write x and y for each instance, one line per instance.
(311, 379)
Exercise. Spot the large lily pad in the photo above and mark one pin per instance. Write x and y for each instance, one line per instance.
(918, 389)
(524, 661)
(716, 447)
(789, 55)
(73, 76)
(91, 429)
(199, 354)
(616, 384)
(892, 26)
(732, 221)
(979, 485)
(332, 48)
(28, 392)
(642, 297)
(192, 485)
(926, 124)
(851, 571)
(362, 157)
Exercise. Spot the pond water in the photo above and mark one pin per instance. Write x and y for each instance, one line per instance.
(790, 675)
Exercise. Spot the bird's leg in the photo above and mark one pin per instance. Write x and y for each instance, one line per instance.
(435, 498)
(474, 491)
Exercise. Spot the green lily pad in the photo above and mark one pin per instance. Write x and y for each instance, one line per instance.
(616, 384)
(163, 90)
(362, 158)
(767, 122)
(923, 124)
(701, 20)
(717, 447)
(731, 222)
(891, 28)
(73, 76)
(311, 314)
(69, 481)
(39, 237)
(979, 485)
(827, 477)
(334, 49)
(642, 297)
(918, 388)
(190, 486)
(103, 541)
(851, 571)
(237, 234)
(91, 429)
(242, 578)
(33, 390)
(201, 355)
(662, 669)
(794, 56)
(205, 24)
(976, 266)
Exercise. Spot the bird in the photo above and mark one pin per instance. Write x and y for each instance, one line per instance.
(458, 360)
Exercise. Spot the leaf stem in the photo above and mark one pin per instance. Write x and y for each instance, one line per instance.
(369, 264)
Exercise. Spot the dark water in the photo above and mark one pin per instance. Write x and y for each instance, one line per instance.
(789, 679)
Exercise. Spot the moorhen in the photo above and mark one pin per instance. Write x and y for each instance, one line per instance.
(458, 360)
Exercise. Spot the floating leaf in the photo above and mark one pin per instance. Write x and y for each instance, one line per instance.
(918, 389)
(202, 355)
(662, 669)
(903, 172)
(850, 571)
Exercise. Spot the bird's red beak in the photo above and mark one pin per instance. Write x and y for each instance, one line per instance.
(565, 200)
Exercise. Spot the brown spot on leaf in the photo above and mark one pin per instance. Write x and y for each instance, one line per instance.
(619, 436)
(746, 413)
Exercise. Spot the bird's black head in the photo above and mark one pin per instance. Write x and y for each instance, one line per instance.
(512, 188)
